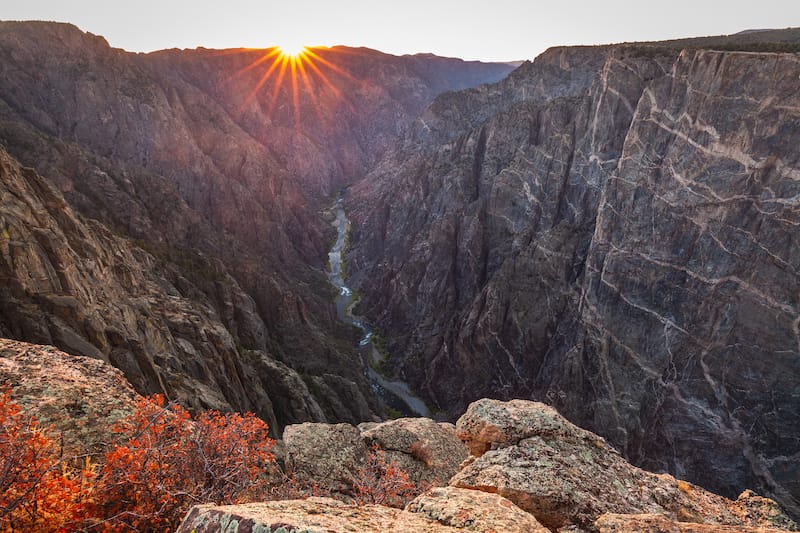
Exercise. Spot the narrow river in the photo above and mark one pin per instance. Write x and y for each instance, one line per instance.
(395, 394)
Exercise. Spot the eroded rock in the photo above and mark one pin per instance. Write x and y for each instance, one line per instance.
(430, 452)
(656, 523)
(326, 455)
(78, 398)
(473, 510)
(564, 475)
(314, 515)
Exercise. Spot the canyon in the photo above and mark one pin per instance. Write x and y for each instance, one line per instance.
(171, 224)
(611, 230)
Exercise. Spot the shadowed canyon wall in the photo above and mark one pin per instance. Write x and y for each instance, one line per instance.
(210, 169)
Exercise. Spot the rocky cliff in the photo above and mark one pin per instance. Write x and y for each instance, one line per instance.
(612, 230)
(173, 225)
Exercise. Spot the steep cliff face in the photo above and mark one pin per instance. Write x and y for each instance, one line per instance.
(219, 173)
(72, 283)
(613, 232)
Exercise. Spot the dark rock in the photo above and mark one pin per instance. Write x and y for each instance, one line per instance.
(221, 183)
(565, 475)
(612, 230)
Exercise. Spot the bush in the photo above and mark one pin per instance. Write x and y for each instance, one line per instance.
(165, 463)
(383, 482)
(169, 463)
(37, 490)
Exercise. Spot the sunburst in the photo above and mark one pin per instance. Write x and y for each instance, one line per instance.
(292, 50)
(296, 64)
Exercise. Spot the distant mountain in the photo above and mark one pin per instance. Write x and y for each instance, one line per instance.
(786, 40)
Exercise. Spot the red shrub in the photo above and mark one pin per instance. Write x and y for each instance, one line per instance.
(170, 463)
(384, 482)
(37, 493)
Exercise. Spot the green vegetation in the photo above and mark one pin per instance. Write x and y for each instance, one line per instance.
(381, 366)
(785, 40)
(393, 414)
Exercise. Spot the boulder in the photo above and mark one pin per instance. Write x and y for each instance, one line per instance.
(473, 510)
(312, 515)
(325, 455)
(656, 523)
(440, 510)
(564, 475)
(491, 424)
(78, 398)
(430, 452)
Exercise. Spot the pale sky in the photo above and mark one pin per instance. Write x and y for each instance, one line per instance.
(470, 29)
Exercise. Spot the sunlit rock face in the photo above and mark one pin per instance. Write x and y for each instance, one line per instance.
(612, 230)
(210, 176)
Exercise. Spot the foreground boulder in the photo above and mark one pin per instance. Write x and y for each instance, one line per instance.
(438, 511)
(428, 451)
(656, 523)
(329, 456)
(474, 510)
(564, 475)
(78, 398)
(311, 515)
(325, 455)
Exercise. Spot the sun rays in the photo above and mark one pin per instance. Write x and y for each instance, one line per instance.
(302, 70)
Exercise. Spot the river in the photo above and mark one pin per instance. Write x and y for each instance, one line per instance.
(396, 394)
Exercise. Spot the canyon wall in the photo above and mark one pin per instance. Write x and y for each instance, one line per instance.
(612, 230)
(203, 180)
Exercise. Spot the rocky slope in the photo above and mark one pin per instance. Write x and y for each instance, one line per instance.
(201, 181)
(529, 470)
(71, 282)
(612, 230)
(505, 466)
(78, 399)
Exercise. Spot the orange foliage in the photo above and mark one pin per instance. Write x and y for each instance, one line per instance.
(37, 493)
(166, 462)
(383, 482)
(170, 463)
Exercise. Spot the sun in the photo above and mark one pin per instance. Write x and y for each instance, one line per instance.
(300, 71)
(291, 49)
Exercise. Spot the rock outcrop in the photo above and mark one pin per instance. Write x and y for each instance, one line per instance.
(430, 452)
(441, 510)
(71, 282)
(77, 398)
(567, 476)
(311, 515)
(329, 456)
(530, 471)
(612, 230)
(656, 523)
(472, 510)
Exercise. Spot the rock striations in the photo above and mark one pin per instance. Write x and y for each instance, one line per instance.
(612, 230)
